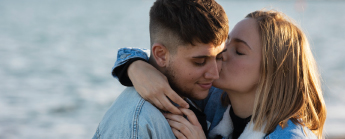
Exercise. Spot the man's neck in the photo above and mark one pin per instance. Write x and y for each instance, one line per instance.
(242, 103)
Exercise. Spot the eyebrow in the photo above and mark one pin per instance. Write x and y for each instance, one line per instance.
(206, 56)
(242, 41)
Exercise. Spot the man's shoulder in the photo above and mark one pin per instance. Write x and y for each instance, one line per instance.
(129, 102)
(129, 106)
(129, 113)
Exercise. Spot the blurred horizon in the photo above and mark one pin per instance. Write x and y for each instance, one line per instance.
(56, 59)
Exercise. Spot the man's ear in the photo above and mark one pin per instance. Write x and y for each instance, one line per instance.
(160, 54)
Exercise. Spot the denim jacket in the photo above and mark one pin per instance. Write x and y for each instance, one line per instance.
(212, 106)
(131, 117)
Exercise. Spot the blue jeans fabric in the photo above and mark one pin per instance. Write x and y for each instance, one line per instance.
(131, 117)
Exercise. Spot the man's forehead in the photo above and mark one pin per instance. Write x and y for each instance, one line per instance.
(202, 49)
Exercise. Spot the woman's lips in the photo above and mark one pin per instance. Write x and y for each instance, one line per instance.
(205, 85)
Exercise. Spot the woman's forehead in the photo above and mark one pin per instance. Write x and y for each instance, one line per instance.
(247, 31)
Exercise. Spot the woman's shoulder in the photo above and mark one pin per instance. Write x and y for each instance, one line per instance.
(291, 131)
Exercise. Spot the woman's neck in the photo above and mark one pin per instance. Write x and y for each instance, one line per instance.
(242, 103)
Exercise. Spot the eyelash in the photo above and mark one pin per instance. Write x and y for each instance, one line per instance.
(200, 64)
(238, 53)
(219, 58)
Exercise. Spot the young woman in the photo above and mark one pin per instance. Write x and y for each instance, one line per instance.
(269, 80)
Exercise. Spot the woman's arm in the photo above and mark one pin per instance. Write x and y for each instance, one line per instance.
(153, 86)
(150, 83)
(126, 56)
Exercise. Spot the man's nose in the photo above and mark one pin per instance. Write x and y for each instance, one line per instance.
(212, 72)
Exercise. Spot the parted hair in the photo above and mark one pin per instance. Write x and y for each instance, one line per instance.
(181, 22)
(289, 87)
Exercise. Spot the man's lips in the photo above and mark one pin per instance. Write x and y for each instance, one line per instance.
(205, 85)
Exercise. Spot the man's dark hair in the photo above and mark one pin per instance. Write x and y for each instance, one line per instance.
(180, 22)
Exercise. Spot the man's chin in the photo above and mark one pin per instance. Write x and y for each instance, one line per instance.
(200, 95)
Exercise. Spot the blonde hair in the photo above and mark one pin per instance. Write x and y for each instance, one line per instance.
(289, 87)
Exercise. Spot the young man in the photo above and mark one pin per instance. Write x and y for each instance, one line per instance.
(186, 38)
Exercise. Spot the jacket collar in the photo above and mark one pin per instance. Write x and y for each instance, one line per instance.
(225, 128)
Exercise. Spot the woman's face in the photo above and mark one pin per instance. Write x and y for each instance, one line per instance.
(241, 62)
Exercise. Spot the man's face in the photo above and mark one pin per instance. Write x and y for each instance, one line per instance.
(192, 69)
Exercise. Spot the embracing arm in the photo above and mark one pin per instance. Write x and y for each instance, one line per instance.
(125, 57)
(131, 69)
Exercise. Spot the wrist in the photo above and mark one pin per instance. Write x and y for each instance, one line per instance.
(133, 67)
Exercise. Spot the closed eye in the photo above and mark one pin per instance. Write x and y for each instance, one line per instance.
(199, 64)
(238, 53)
(199, 61)
(220, 55)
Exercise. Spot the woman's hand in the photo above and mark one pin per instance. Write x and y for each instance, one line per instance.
(184, 129)
(153, 86)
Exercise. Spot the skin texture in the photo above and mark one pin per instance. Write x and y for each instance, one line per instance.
(241, 62)
(241, 67)
(191, 71)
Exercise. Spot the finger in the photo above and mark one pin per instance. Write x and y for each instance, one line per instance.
(191, 116)
(168, 105)
(182, 128)
(181, 124)
(157, 103)
(173, 96)
(177, 118)
(178, 134)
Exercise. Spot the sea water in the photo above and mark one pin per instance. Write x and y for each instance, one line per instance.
(56, 58)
